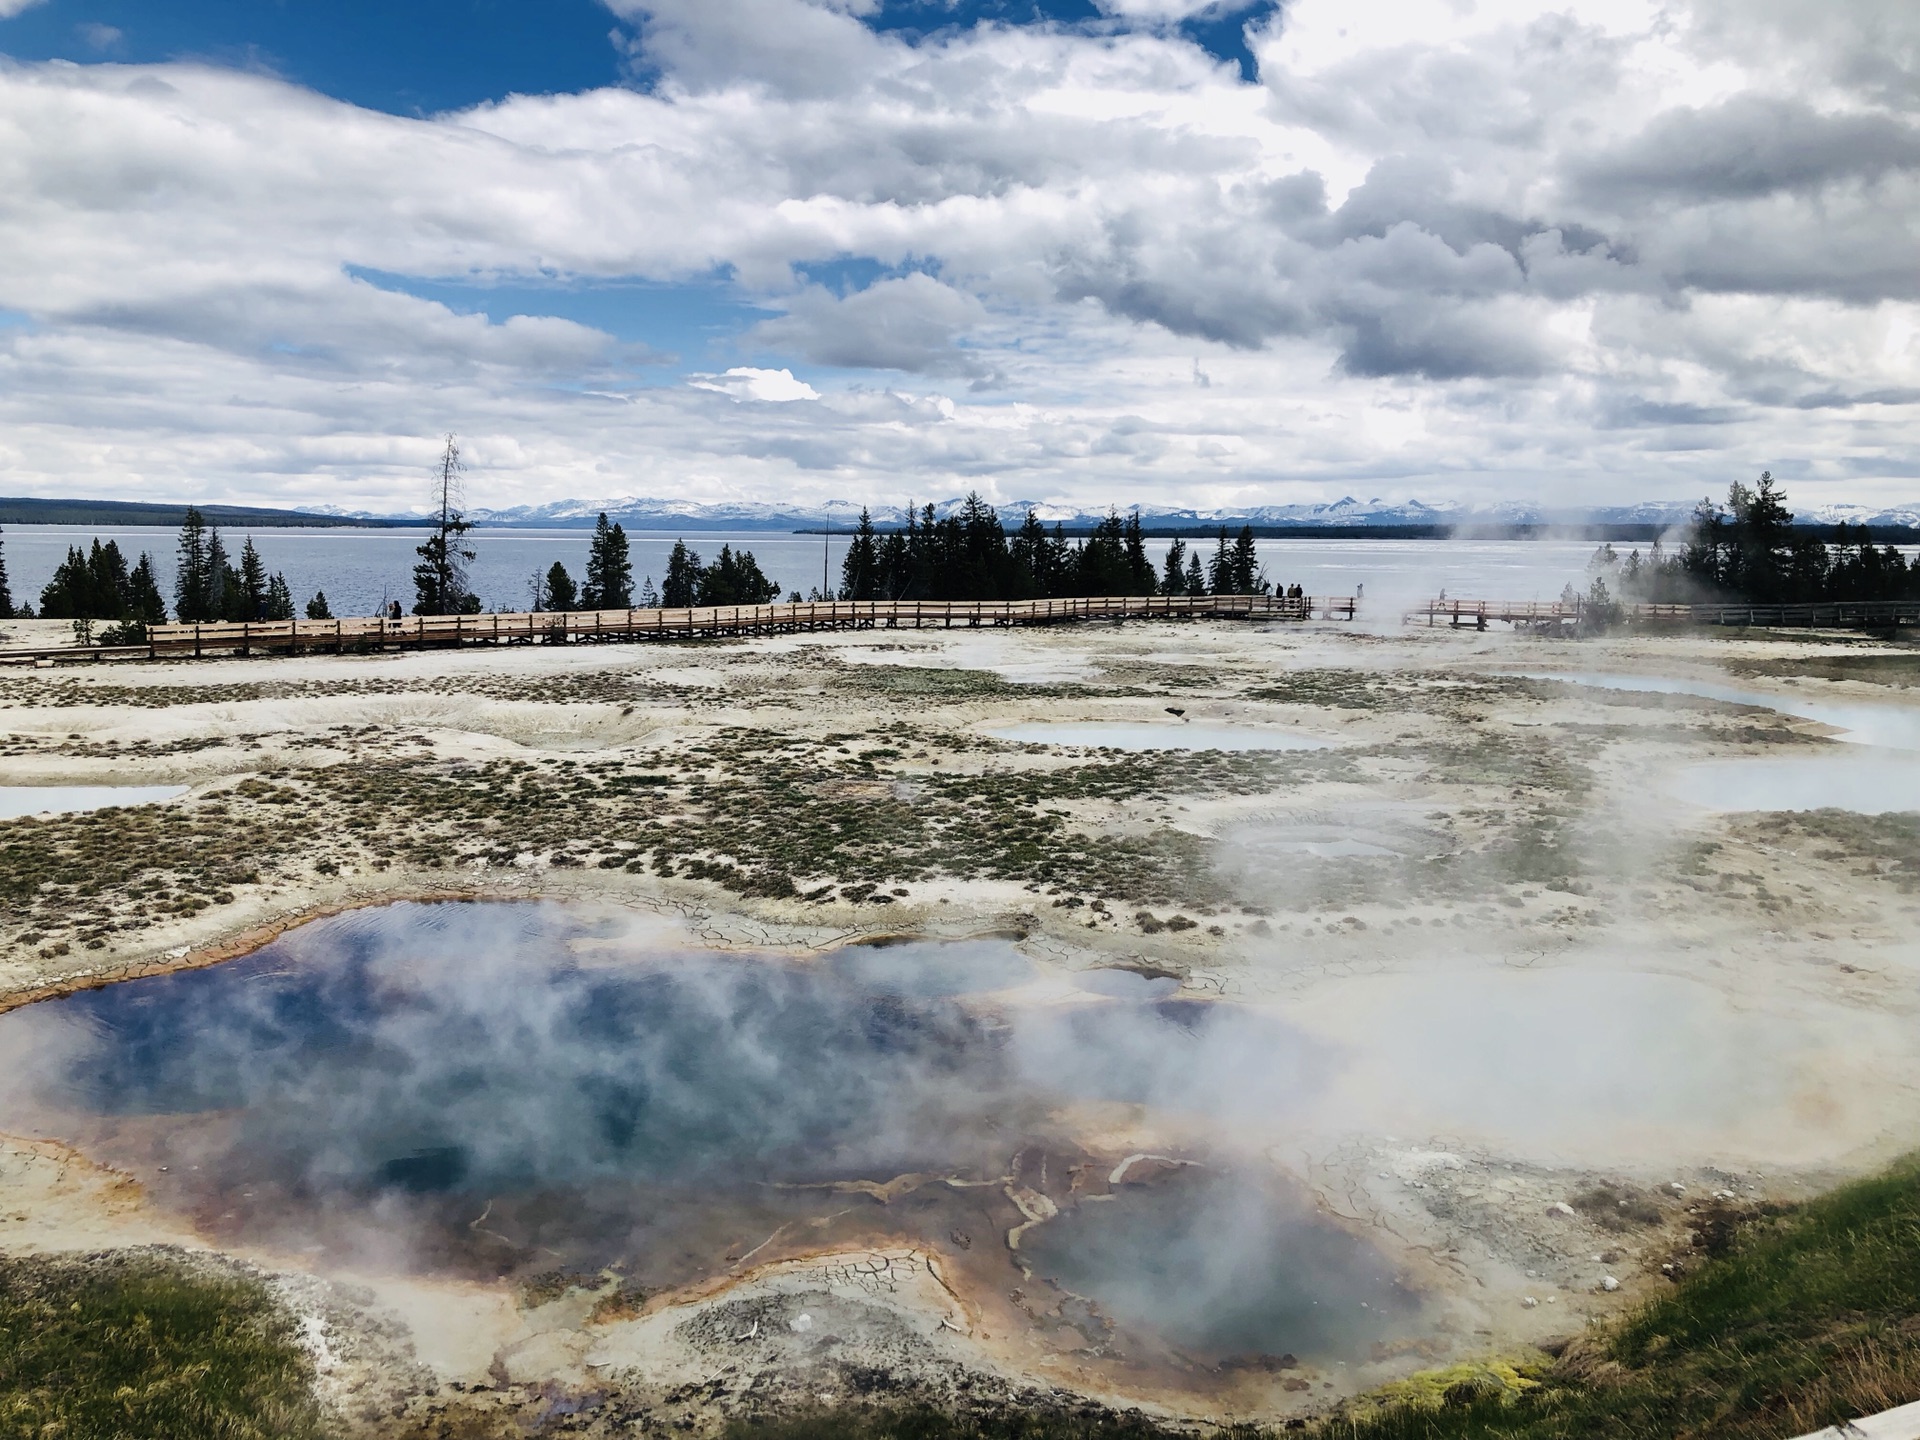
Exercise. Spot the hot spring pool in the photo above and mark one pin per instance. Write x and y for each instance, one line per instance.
(500, 1089)
(1865, 781)
(1890, 725)
(19, 800)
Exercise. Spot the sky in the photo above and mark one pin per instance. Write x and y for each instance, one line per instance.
(1085, 252)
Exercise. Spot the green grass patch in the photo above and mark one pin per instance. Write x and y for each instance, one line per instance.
(141, 1347)
(1809, 1318)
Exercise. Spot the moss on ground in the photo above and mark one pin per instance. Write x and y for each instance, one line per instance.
(141, 1346)
(923, 1423)
(1811, 1317)
(1883, 845)
(756, 811)
(1881, 667)
(582, 687)
(1441, 693)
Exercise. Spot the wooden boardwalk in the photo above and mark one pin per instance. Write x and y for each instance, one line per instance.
(1556, 614)
(586, 626)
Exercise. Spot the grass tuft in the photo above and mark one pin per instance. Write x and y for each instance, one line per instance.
(141, 1347)
(1810, 1318)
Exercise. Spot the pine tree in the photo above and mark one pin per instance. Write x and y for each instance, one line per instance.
(860, 570)
(317, 607)
(250, 601)
(191, 600)
(1060, 571)
(69, 594)
(682, 585)
(1196, 582)
(649, 597)
(440, 579)
(1220, 567)
(6, 592)
(279, 604)
(609, 580)
(221, 581)
(561, 594)
(1248, 579)
(1031, 560)
(1139, 568)
(1173, 580)
(94, 584)
(144, 603)
(735, 578)
(1103, 559)
(894, 566)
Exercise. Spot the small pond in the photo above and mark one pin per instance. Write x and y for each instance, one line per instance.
(1217, 1265)
(1867, 782)
(1155, 735)
(503, 1089)
(1893, 726)
(19, 800)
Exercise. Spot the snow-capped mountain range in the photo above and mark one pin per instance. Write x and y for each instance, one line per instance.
(643, 513)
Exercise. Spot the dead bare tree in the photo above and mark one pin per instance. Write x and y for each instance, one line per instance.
(440, 579)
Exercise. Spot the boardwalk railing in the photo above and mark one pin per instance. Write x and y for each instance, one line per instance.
(1548, 614)
(562, 627)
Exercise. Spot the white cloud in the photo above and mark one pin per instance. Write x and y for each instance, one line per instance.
(11, 8)
(743, 382)
(908, 323)
(1524, 245)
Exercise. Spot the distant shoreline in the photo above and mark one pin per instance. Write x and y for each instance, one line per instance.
(26, 510)
(1637, 533)
(83, 513)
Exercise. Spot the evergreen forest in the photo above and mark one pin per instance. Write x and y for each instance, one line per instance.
(1752, 551)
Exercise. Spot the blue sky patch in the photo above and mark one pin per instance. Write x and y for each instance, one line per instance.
(401, 56)
(693, 324)
(1223, 34)
(423, 56)
(927, 17)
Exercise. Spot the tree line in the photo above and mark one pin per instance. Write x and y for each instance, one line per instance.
(1750, 550)
(969, 555)
(96, 585)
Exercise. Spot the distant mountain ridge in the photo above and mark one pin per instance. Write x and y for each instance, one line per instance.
(652, 514)
(636, 513)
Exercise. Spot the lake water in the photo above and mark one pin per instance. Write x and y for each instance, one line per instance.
(361, 569)
(503, 1089)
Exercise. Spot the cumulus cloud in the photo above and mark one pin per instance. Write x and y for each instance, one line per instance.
(910, 323)
(1747, 147)
(1430, 249)
(743, 382)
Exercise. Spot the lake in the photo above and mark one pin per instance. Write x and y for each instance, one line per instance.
(362, 569)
